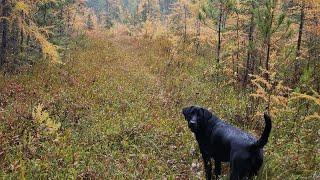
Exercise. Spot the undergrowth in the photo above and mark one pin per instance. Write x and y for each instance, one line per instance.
(113, 111)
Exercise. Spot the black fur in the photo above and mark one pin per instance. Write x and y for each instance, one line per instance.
(225, 143)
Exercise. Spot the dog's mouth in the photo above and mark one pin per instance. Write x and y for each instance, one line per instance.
(193, 127)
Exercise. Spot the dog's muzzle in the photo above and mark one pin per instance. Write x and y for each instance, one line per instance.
(193, 124)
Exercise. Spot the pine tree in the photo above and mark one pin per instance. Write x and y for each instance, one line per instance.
(217, 11)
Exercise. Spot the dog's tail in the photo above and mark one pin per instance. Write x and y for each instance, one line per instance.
(265, 135)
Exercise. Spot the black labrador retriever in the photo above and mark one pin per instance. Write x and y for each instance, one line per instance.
(225, 143)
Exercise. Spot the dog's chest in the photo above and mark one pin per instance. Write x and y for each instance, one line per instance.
(214, 147)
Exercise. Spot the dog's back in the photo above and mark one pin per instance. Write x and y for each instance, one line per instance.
(224, 134)
(225, 138)
(230, 144)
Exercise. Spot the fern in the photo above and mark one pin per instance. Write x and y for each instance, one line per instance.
(42, 118)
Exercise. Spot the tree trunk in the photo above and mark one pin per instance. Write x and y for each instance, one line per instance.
(249, 69)
(268, 43)
(148, 9)
(268, 55)
(14, 40)
(298, 51)
(219, 34)
(44, 15)
(198, 26)
(22, 37)
(238, 39)
(28, 35)
(21, 40)
(185, 23)
(61, 28)
(5, 28)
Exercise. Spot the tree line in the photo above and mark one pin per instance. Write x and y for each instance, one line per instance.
(268, 47)
(244, 35)
(34, 29)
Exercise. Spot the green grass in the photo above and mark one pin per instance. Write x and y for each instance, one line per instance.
(119, 101)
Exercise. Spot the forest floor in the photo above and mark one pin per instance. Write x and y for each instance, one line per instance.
(119, 102)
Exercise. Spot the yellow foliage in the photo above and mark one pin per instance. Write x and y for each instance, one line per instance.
(315, 98)
(23, 12)
(39, 115)
(148, 28)
(271, 93)
(120, 29)
(152, 29)
(49, 50)
(22, 7)
(42, 118)
(313, 116)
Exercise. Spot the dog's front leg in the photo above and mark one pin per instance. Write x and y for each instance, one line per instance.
(217, 168)
(207, 166)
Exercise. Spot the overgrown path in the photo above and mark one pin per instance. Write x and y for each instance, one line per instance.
(128, 122)
(118, 118)
(119, 100)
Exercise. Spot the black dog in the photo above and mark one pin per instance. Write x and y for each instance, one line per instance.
(225, 143)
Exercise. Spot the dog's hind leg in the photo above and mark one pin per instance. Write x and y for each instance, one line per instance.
(239, 169)
(217, 168)
(207, 166)
(234, 172)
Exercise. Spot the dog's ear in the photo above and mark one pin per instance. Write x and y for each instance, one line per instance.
(206, 114)
(186, 111)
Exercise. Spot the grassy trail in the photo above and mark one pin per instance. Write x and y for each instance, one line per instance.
(139, 137)
(118, 119)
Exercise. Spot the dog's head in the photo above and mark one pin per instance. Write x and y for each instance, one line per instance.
(197, 117)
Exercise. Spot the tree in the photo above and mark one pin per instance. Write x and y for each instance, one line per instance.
(217, 11)
(268, 23)
(298, 51)
(33, 25)
(249, 66)
(5, 28)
